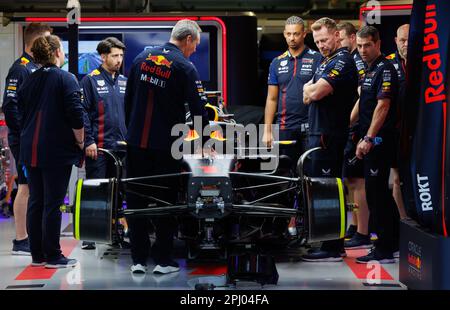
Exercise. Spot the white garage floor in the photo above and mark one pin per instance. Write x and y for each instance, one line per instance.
(108, 268)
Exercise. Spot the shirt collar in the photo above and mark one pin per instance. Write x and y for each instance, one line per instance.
(326, 60)
(377, 61)
(341, 49)
(171, 46)
(400, 60)
(108, 75)
(305, 50)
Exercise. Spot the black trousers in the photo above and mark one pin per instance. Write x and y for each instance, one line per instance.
(293, 151)
(104, 166)
(377, 165)
(142, 162)
(48, 187)
(328, 163)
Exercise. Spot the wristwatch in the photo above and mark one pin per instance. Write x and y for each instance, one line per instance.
(374, 141)
(368, 139)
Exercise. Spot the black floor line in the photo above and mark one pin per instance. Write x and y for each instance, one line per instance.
(11, 287)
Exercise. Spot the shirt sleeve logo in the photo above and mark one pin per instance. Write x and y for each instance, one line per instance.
(24, 61)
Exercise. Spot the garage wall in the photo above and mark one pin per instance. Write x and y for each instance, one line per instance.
(9, 51)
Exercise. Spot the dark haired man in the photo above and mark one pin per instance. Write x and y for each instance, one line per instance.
(352, 170)
(288, 74)
(376, 113)
(18, 73)
(103, 99)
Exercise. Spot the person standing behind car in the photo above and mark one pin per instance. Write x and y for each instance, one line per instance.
(399, 59)
(376, 112)
(161, 81)
(17, 75)
(353, 170)
(331, 95)
(288, 73)
(103, 100)
(52, 140)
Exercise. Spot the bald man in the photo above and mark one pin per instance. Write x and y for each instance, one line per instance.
(399, 59)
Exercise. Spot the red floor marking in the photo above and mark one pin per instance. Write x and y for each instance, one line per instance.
(361, 271)
(42, 273)
(209, 270)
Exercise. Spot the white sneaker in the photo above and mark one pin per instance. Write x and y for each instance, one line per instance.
(165, 269)
(396, 254)
(138, 268)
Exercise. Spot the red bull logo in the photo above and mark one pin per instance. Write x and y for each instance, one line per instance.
(414, 261)
(24, 61)
(159, 60)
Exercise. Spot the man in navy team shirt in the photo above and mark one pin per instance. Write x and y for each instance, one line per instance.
(287, 75)
(18, 73)
(331, 95)
(376, 112)
(353, 170)
(104, 121)
(161, 81)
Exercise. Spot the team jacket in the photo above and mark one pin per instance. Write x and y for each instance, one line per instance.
(50, 104)
(161, 80)
(380, 82)
(103, 99)
(290, 74)
(331, 114)
(17, 74)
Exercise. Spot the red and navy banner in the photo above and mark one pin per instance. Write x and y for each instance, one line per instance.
(425, 136)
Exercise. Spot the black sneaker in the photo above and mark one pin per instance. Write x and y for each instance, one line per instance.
(351, 230)
(62, 262)
(342, 252)
(376, 256)
(21, 247)
(38, 262)
(169, 267)
(358, 241)
(318, 255)
(88, 245)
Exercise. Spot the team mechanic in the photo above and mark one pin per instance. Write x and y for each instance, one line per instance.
(104, 122)
(18, 73)
(331, 95)
(353, 170)
(287, 75)
(376, 111)
(161, 81)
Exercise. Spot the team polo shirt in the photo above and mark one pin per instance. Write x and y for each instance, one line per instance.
(380, 82)
(290, 74)
(331, 114)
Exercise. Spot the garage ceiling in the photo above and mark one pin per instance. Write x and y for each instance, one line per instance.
(259, 6)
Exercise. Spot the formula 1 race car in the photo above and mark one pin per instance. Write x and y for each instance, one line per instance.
(224, 205)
